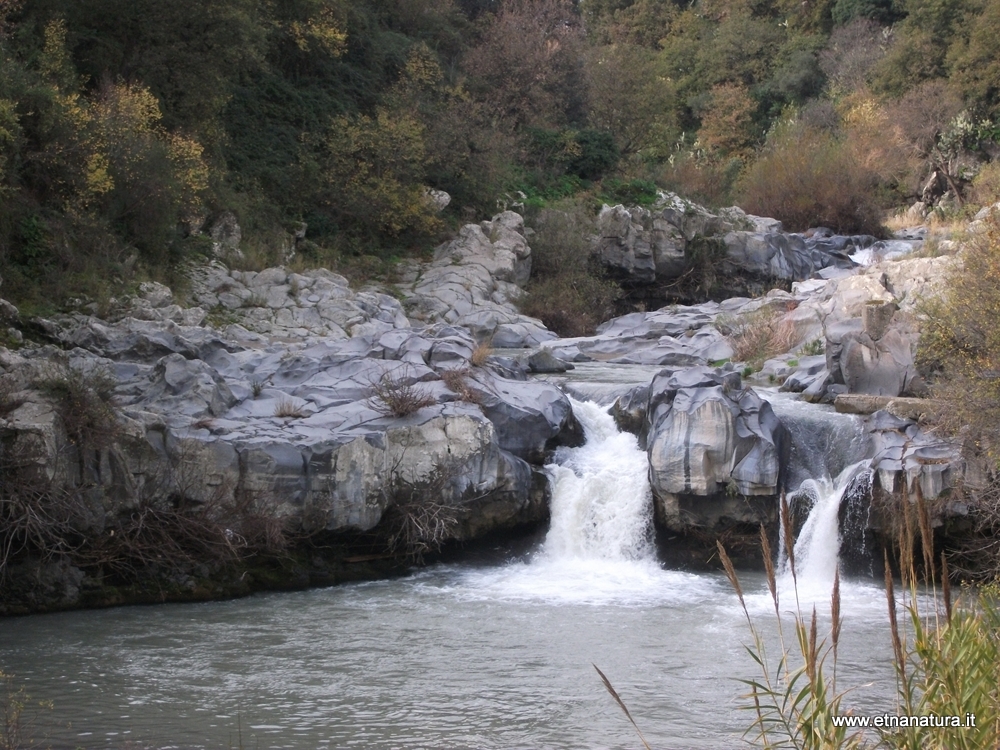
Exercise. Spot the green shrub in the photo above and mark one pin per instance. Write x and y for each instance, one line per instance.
(568, 291)
(629, 192)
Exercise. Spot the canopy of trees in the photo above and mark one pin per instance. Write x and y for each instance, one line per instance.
(126, 124)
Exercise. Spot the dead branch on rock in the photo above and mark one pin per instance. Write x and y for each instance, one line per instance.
(457, 381)
(392, 396)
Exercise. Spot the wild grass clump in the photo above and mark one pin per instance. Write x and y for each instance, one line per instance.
(288, 408)
(947, 660)
(757, 336)
(482, 353)
(795, 700)
(568, 292)
(392, 396)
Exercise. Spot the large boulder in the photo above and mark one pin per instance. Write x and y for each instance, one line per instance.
(709, 437)
(644, 245)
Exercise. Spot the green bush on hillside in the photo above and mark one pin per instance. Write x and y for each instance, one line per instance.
(567, 292)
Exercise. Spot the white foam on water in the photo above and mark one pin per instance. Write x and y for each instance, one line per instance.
(599, 547)
(817, 547)
(587, 582)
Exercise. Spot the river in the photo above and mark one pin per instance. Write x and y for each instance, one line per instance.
(490, 654)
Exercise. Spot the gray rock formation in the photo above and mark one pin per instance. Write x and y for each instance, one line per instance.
(710, 441)
(646, 246)
(474, 281)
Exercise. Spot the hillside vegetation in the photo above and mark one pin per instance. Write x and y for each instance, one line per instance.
(127, 125)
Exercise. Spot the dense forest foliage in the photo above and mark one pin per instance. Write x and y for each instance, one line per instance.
(126, 125)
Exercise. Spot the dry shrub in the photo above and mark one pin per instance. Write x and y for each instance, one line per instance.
(168, 533)
(392, 396)
(985, 189)
(457, 381)
(959, 348)
(33, 521)
(758, 336)
(165, 533)
(417, 525)
(569, 292)
(701, 178)
(84, 403)
(810, 178)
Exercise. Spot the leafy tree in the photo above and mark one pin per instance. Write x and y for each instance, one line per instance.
(921, 48)
(372, 174)
(630, 96)
(974, 58)
(727, 126)
(189, 54)
(526, 70)
(642, 23)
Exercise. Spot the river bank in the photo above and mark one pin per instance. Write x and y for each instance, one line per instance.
(288, 430)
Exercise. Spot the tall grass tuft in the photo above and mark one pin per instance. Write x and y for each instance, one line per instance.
(793, 702)
(946, 666)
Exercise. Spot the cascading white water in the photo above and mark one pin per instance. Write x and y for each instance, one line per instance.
(601, 501)
(817, 547)
(599, 547)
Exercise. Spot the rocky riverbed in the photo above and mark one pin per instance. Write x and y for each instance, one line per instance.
(299, 431)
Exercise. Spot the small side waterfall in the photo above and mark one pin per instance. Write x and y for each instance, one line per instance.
(827, 468)
(817, 546)
(601, 502)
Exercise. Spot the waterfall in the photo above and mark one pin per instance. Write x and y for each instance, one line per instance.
(601, 502)
(826, 467)
(599, 548)
(817, 546)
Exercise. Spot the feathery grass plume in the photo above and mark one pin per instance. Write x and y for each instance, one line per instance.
(482, 353)
(926, 535)
(907, 574)
(621, 704)
(890, 595)
(946, 587)
(788, 533)
(731, 574)
(811, 652)
(835, 621)
(769, 566)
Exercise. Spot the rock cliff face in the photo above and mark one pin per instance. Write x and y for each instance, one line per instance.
(332, 407)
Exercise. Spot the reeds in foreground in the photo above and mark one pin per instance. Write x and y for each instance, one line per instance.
(794, 706)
